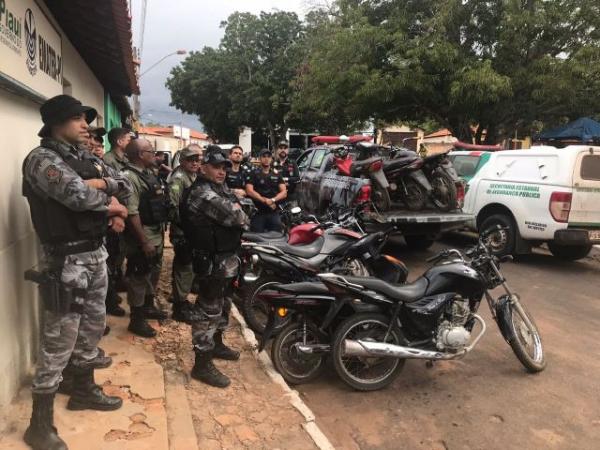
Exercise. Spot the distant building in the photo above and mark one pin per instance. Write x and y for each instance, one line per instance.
(173, 138)
(438, 142)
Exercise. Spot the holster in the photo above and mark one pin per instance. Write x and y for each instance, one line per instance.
(56, 297)
(202, 263)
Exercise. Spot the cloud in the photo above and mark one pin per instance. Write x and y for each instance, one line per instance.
(188, 25)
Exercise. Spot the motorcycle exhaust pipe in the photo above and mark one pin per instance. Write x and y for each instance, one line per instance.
(382, 349)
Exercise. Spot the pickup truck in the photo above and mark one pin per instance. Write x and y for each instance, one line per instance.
(321, 187)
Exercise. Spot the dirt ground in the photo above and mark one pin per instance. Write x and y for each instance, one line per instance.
(487, 401)
(252, 413)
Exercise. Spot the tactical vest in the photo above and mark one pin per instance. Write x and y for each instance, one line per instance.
(205, 234)
(53, 222)
(154, 202)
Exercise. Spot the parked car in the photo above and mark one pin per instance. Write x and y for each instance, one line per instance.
(542, 195)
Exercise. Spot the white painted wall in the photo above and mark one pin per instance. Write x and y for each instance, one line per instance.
(19, 311)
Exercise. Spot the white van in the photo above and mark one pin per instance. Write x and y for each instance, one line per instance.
(542, 194)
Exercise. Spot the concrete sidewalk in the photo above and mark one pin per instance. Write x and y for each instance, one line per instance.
(135, 377)
(164, 409)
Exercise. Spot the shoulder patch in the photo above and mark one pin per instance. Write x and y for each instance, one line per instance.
(53, 174)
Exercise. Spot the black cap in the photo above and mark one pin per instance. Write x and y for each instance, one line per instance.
(97, 131)
(61, 108)
(265, 151)
(214, 156)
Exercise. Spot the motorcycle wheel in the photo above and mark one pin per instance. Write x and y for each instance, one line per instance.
(294, 366)
(366, 373)
(256, 312)
(381, 198)
(526, 342)
(443, 195)
(413, 194)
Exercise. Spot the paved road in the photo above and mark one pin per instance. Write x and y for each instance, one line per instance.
(487, 401)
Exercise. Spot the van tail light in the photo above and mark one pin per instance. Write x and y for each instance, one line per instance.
(364, 195)
(560, 206)
(460, 195)
(376, 166)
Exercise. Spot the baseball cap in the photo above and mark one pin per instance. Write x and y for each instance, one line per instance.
(265, 151)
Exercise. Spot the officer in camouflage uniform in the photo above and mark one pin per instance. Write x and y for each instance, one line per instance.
(71, 208)
(148, 209)
(183, 275)
(115, 243)
(213, 221)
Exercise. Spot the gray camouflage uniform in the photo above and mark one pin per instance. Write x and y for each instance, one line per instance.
(218, 203)
(72, 335)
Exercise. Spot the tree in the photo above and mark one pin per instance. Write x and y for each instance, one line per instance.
(497, 65)
(246, 81)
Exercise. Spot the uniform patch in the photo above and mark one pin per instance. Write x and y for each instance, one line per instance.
(53, 174)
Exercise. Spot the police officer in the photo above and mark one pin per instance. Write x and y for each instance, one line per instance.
(71, 205)
(213, 221)
(287, 169)
(238, 173)
(148, 213)
(266, 187)
(96, 141)
(118, 139)
(183, 275)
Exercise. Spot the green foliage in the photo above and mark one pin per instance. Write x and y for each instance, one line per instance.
(246, 81)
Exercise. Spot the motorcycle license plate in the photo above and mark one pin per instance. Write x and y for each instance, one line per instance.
(594, 235)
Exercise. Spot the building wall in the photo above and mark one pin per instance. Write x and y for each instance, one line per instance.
(19, 311)
(163, 143)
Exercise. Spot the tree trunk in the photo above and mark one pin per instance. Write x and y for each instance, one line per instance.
(492, 135)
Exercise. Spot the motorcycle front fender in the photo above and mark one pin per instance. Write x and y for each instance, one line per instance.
(420, 178)
(380, 178)
(503, 317)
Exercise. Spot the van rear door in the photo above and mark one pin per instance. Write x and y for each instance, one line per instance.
(585, 204)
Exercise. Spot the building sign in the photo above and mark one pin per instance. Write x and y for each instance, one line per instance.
(30, 47)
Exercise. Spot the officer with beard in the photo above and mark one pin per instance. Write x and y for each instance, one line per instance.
(213, 221)
(72, 206)
(287, 169)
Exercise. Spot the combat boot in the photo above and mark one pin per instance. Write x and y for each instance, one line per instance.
(204, 370)
(221, 351)
(151, 311)
(88, 395)
(101, 361)
(138, 324)
(41, 434)
(182, 311)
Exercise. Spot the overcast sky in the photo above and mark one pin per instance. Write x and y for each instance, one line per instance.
(189, 25)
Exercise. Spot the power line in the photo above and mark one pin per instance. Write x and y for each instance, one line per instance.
(143, 27)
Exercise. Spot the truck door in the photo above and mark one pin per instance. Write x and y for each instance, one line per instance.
(313, 180)
(585, 205)
(303, 162)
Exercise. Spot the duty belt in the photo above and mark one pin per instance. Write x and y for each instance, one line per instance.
(72, 248)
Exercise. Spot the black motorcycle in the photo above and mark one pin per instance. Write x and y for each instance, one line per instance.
(303, 316)
(448, 190)
(432, 318)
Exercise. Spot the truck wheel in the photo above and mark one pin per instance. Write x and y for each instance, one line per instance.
(501, 242)
(569, 252)
(418, 242)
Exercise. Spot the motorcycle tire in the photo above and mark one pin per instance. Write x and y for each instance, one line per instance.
(520, 332)
(444, 194)
(412, 194)
(366, 326)
(381, 198)
(256, 312)
(296, 367)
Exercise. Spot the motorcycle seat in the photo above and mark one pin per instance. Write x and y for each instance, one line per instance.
(302, 251)
(396, 163)
(306, 288)
(269, 236)
(406, 293)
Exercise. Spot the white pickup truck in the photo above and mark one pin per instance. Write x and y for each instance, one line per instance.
(543, 195)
